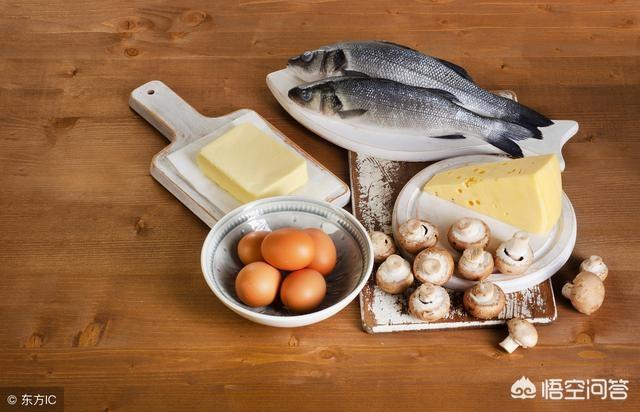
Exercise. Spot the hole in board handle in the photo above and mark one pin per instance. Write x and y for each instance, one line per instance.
(151, 91)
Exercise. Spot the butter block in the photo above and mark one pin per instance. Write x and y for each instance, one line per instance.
(526, 193)
(250, 164)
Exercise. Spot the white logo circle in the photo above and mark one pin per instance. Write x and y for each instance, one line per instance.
(11, 399)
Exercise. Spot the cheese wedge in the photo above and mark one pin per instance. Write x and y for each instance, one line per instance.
(250, 164)
(526, 193)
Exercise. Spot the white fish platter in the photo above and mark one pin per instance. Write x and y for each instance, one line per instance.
(187, 130)
(406, 147)
(551, 250)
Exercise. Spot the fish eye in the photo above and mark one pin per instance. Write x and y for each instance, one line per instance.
(307, 56)
(305, 95)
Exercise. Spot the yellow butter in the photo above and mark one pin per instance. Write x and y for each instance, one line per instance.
(251, 165)
(526, 193)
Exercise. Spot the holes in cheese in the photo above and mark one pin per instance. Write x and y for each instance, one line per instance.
(526, 193)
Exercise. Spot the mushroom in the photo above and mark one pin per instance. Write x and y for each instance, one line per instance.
(484, 300)
(514, 256)
(475, 264)
(586, 292)
(415, 235)
(429, 302)
(434, 265)
(469, 232)
(383, 246)
(521, 333)
(596, 266)
(394, 275)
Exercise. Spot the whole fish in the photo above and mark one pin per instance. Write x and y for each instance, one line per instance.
(395, 62)
(380, 103)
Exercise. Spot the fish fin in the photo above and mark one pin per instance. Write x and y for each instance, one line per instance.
(449, 136)
(397, 45)
(506, 145)
(458, 69)
(443, 93)
(514, 131)
(518, 113)
(347, 114)
(353, 73)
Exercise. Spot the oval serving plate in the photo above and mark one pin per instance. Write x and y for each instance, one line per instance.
(551, 250)
(400, 146)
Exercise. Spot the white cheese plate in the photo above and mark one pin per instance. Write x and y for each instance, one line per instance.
(551, 250)
(187, 130)
(406, 147)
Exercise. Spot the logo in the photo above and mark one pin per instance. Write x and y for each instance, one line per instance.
(523, 388)
(12, 399)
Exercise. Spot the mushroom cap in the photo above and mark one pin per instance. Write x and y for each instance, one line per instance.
(383, 245)
(394, 275)
(514, 256)
(523, 332)
(434, 265)
(475, 264)
(415, 235)
(586, 292)
(468, 232)
(429, 302)
(595, 265)
(484, 300)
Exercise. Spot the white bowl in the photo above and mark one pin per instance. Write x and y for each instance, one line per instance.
(220, 262)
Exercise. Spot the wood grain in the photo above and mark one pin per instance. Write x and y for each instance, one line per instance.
(100, 284)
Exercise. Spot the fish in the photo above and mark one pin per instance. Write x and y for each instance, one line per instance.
(386, 60)
(390, 105)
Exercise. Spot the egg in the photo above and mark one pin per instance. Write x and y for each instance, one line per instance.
(288, 249)
(257, 284)
(249, 247)
(303, 290)
(324, 259)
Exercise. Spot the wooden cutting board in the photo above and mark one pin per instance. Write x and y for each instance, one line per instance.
(375, 184)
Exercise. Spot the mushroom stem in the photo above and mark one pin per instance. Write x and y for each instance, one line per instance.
(566, 290)
(509, 344)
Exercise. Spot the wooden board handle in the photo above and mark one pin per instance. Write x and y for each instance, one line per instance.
(168, 112)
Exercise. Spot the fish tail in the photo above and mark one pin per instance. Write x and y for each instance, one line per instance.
(504, 135)
(525, 116)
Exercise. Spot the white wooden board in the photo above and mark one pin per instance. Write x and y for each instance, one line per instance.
(182, 125)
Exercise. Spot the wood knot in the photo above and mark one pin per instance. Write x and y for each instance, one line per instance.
(327, 354)
(130, 24)
(293, 342)
(131, 52)
(140, 226)
(92, 334)
(36, 340)
(193, 18)
(584, 338)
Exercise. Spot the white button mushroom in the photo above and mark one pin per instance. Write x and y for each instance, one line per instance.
(429, 302)
(434, 265)
(514, 256)
(475, 264)
(484, 300)
(415, 235)
(469, 232)
(383, 246)
(586, 292)
(394, 275)
(595, 265)
(521, 333)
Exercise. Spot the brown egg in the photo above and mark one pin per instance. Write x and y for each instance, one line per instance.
(324, 259)
(303, 290)
(249, 247)
(257, 284)
(288, 249)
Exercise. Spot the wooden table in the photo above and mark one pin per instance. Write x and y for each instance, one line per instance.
(100, 284)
